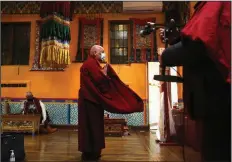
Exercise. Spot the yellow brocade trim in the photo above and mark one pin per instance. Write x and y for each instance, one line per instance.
(55, 43)
(54, 56)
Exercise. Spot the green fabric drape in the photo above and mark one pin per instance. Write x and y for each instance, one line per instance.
(52, 28)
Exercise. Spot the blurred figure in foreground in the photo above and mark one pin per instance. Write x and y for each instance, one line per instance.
(204, 51)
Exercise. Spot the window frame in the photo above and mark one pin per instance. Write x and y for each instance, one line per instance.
(119, 22)
(153, 48)
(13, 42)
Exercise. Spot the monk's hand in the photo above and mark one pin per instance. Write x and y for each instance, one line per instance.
(43, 121)
(104, 69)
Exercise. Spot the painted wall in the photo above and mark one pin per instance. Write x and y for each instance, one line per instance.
(66, 84)
(192, 7)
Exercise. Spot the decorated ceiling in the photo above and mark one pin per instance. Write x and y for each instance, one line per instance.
(87, 7)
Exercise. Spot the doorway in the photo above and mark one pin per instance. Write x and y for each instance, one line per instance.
(153, 95)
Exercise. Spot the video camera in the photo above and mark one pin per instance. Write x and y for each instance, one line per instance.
(150, 27)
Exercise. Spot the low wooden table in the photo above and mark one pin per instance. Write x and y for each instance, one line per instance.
(114, 127)
(20, 123)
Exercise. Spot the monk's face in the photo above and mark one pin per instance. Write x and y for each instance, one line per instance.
(99, 54)
(29, 96)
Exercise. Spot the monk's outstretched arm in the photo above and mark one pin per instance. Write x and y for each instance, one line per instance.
(99, 85)
(96, 80)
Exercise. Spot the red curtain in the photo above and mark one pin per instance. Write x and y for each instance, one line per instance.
(65, 8)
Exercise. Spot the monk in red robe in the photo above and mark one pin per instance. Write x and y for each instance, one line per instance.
(204, 51)
(100, 89)
(34, 106)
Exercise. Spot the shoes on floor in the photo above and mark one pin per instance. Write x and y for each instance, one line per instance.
(51, 130)
(90, 157)
(47, 130)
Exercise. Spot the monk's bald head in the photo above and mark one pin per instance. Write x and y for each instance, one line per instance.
(96, 51)
(29, 95)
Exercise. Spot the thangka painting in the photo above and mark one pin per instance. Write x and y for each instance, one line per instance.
(90, 33)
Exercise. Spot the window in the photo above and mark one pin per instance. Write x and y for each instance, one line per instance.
(144, 49)
(90, 33)
(119, 42)
(15, 42)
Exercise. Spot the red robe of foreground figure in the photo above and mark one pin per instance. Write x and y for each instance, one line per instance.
(204, 51)
(99, 92)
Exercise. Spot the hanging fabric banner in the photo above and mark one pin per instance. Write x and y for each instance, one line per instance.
(55, 34)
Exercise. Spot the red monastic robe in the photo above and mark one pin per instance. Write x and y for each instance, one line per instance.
(98, 93)
(211, 23)
(35, 102)
(37, 105)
